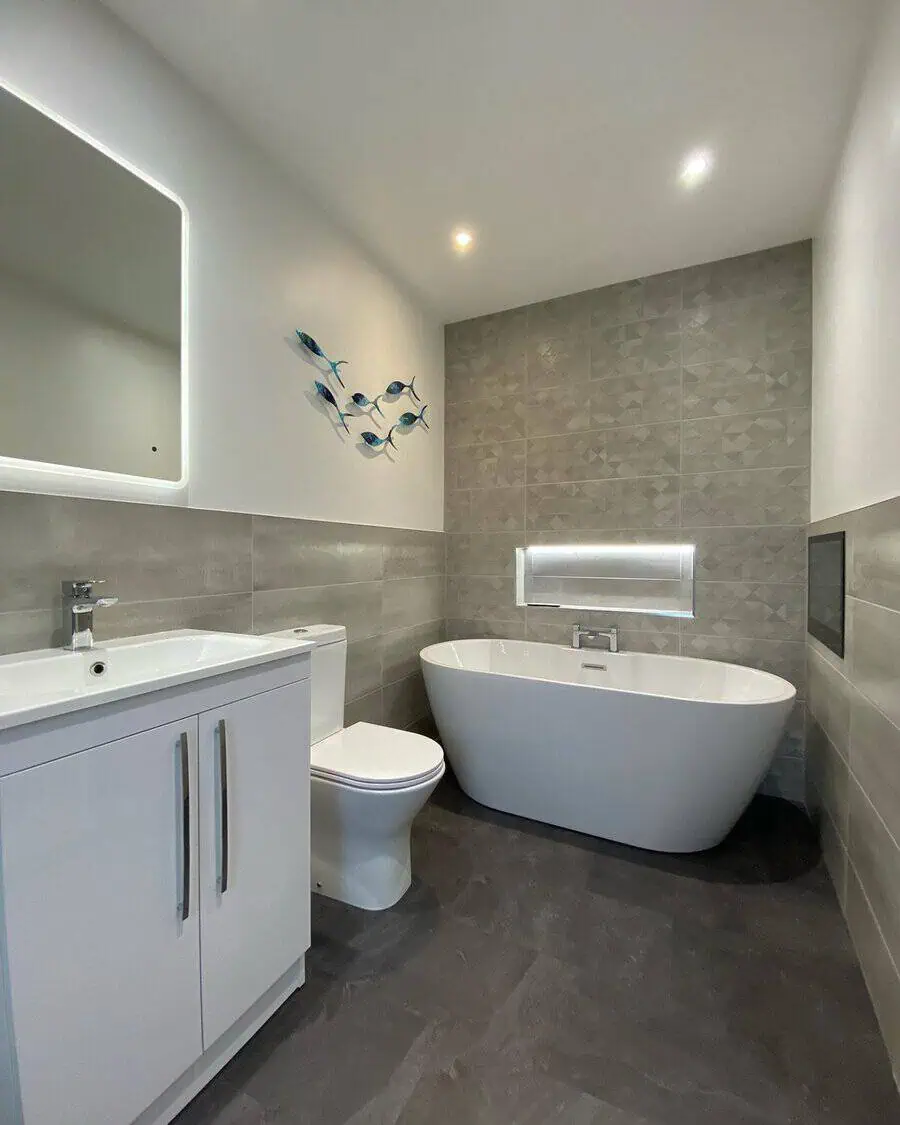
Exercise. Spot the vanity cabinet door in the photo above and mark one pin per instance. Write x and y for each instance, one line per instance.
(254, 849)
(103, 967)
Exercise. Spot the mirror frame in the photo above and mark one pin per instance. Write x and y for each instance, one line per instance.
(22, 475)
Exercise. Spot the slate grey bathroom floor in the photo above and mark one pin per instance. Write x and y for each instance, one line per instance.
(533, 975)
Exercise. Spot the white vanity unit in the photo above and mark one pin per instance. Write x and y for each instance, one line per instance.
(154, 855)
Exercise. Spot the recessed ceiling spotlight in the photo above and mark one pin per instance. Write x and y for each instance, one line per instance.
(463, 240)
(696, 167)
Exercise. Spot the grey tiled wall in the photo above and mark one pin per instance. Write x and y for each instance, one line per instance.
(669, 407)
(177, 567)
(854, 752)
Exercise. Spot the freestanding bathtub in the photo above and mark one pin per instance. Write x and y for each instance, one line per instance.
(662, 752)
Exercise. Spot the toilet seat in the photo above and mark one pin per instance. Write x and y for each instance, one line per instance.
(366, 756)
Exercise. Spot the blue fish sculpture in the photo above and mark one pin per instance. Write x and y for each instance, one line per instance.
(376, 441)
(323, 392)
(397, 388)
(410, 418)
(310, 344)
(360, 400)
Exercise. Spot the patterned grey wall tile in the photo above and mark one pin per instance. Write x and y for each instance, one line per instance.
(742, 385)
(662, 294)
(561, 316)
(830, 700)
(412, 554)
(874, 565)
(404, 702)
(482, 597)
(483, 554)
(498, 464)
(713, 333)
(643, 346)
(367, 709)
(608, 535)
(458, 630)
(291, 553)
(229, 613)
(780, 270)
(745, 498)
(356, 605)
(748, 609)
(878, 966)
(183, 552)
(411, 601)
(499, 371)
(875, 755)
(496, 418)
(538, 618)
(630, 640)
(615, 504)
(25, 630)
(363, 668)
(787, 320)
(495, 509)
(782, 658)
(485, 333)
(874, 654)
(747, 441)
(774, 554)
(633, 451)
(400, 649)
(558, 362)
(617, 304)
(628, 400)
(876, 857)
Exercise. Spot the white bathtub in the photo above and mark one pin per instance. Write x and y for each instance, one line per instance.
(662, 752)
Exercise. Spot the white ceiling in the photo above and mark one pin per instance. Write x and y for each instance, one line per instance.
(554, 128)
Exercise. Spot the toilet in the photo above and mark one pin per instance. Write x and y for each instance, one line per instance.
(367, 784)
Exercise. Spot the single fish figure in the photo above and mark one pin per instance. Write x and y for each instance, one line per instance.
(324, 392)
(410, 418)
(310, 344)
(360, 400)
(397, 388)
(376, 441)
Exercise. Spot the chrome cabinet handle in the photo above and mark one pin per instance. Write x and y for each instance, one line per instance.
(223, 805)
(185, 904)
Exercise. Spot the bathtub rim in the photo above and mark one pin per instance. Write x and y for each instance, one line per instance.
(787, 693)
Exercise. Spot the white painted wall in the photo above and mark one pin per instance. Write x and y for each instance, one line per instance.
(856, 344)
(263, 260)
(77, 391)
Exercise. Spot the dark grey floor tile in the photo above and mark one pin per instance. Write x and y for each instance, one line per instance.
(533, 975)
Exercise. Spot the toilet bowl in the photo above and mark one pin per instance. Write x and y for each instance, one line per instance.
(367, 784)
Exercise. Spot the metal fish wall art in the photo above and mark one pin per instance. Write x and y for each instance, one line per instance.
(325, 393)
(360, 400)
(398, 387)
(409, 419)
(310, 344)
(376, 441)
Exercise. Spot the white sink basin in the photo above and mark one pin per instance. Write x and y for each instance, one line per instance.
(39, 685)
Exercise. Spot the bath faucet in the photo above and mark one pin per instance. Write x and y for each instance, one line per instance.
(580, 635)
(79, 603)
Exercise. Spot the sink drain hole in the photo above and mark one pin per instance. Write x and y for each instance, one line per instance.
(98, 668)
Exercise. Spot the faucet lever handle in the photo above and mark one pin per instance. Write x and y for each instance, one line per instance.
(81, 587)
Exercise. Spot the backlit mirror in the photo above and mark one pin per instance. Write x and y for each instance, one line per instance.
(90, 306)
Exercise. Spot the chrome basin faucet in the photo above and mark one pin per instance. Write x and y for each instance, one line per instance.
(79, 603)
(582, 637)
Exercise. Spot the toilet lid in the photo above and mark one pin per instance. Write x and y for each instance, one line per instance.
(374, 757)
